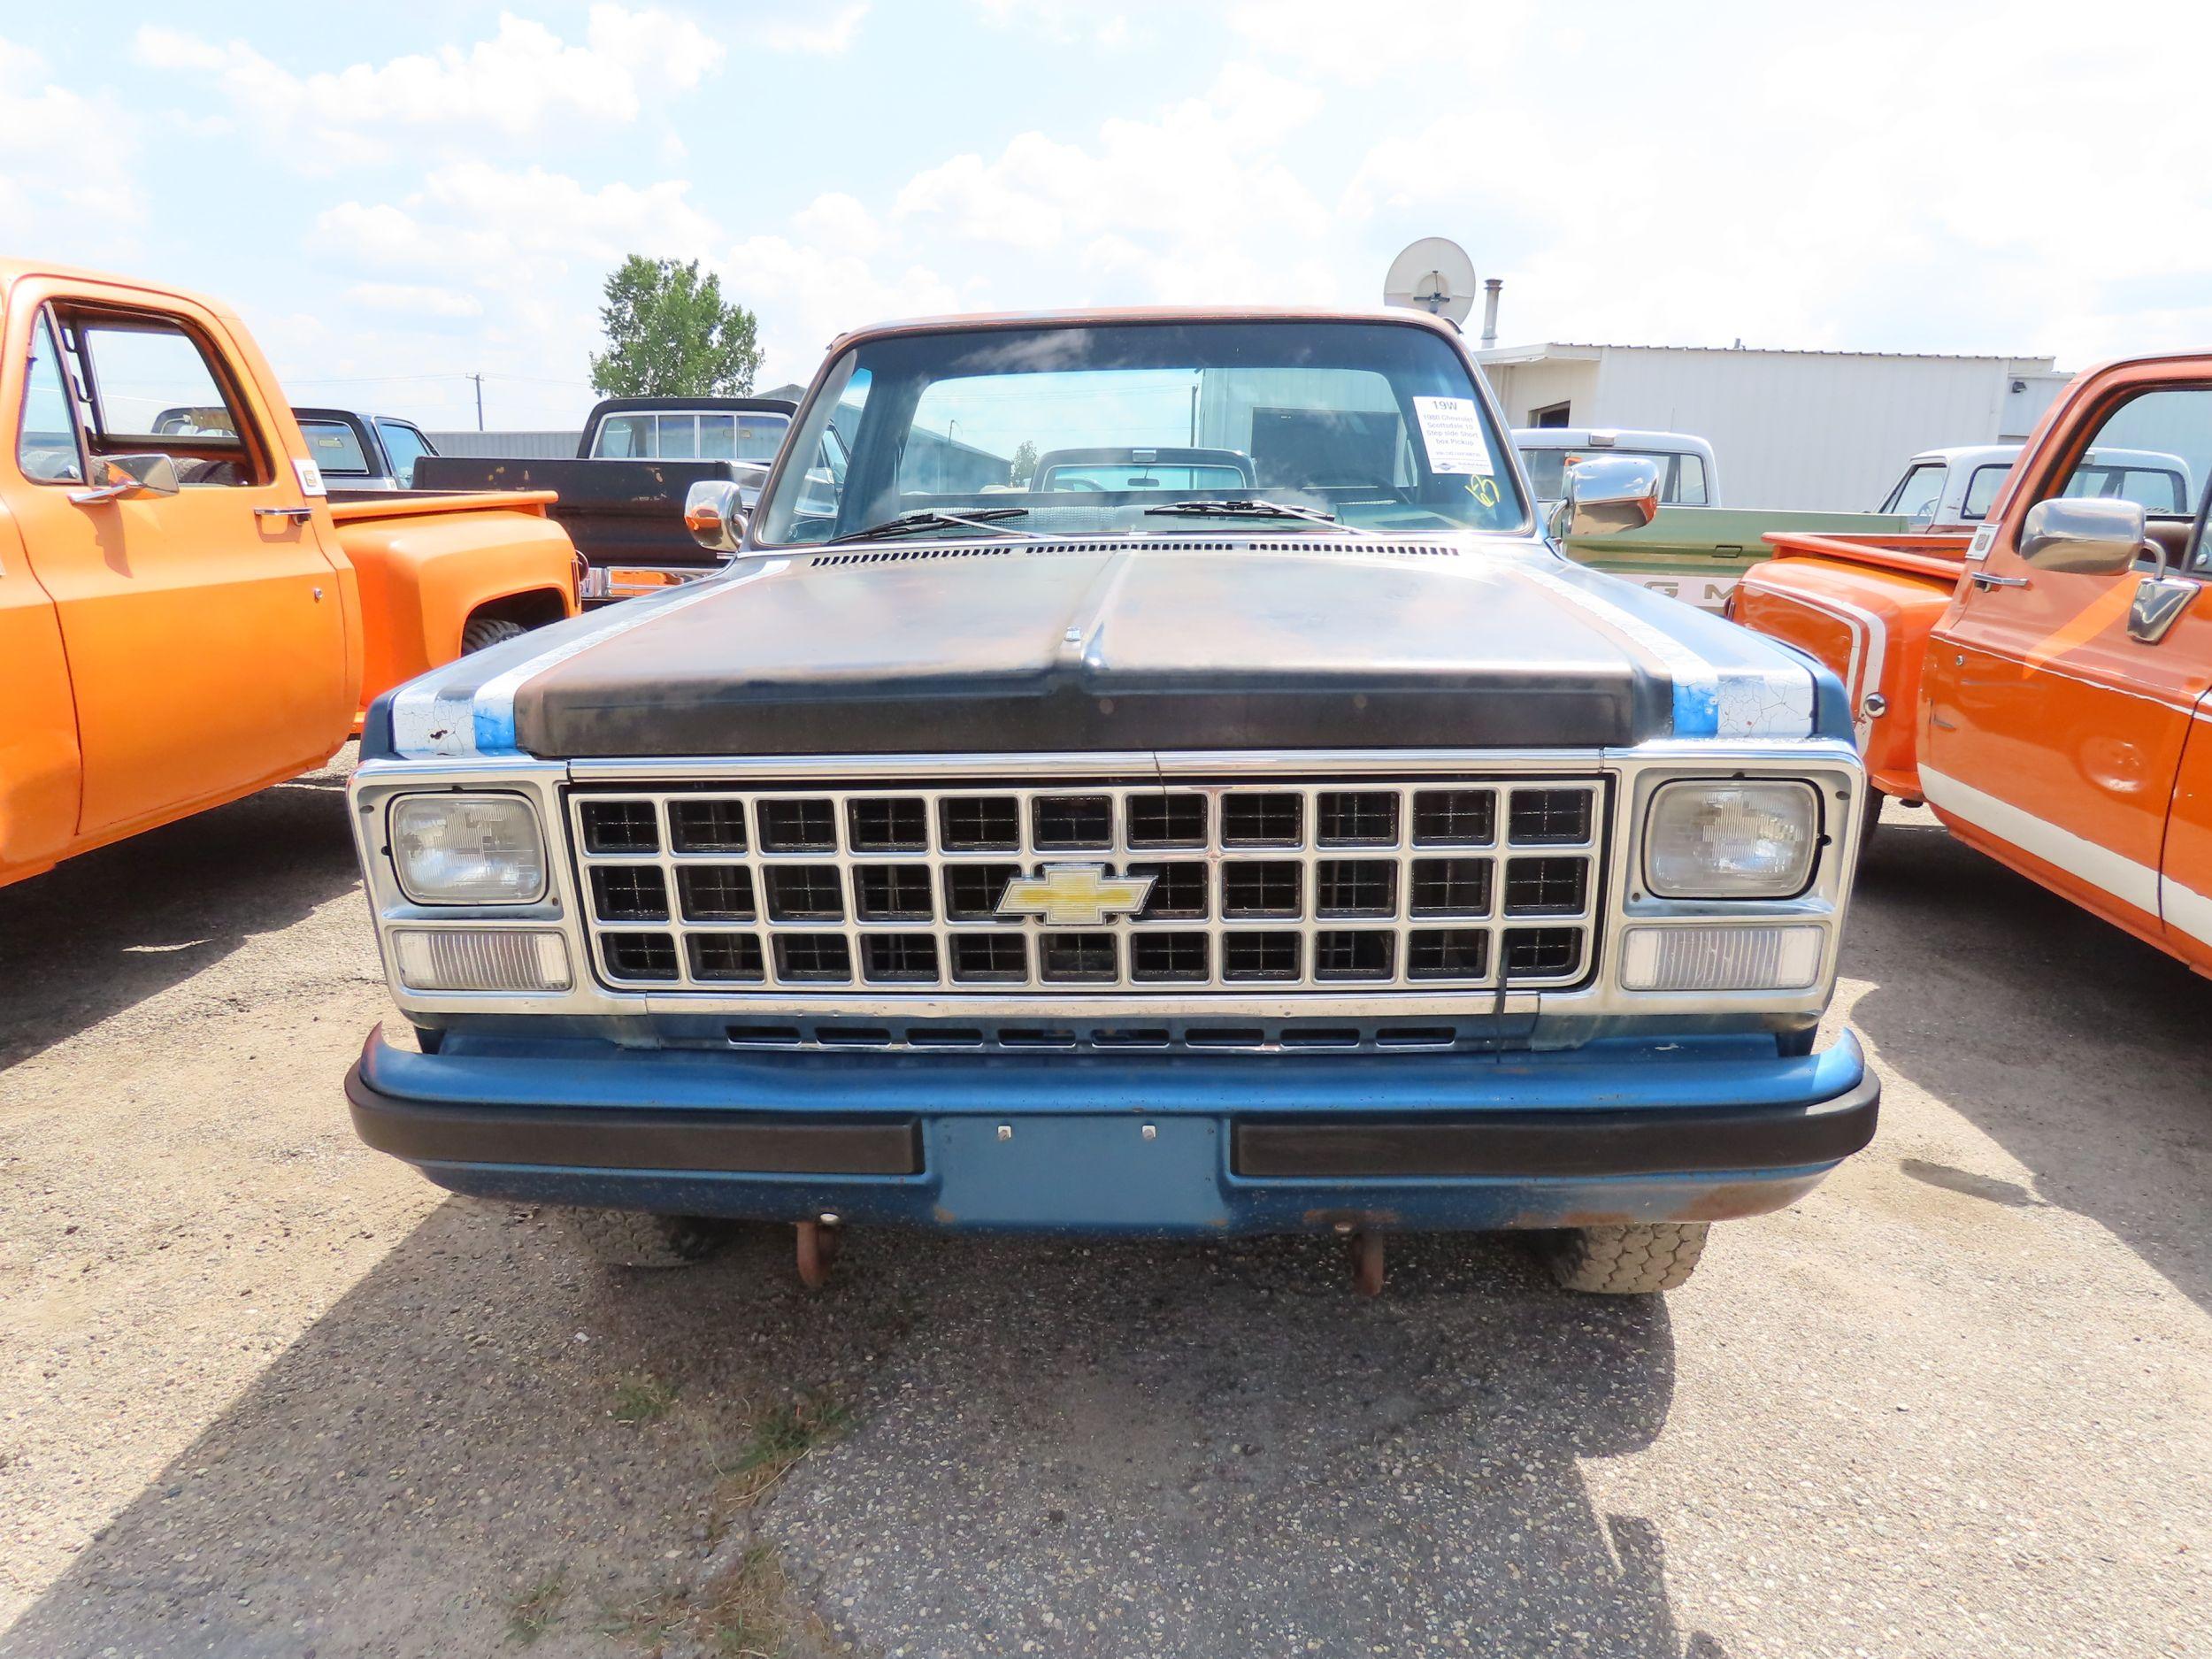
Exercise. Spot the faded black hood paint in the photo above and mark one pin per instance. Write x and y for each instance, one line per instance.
(1023, 649)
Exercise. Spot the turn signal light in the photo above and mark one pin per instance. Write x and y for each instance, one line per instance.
(480, 959)
(1725, 959)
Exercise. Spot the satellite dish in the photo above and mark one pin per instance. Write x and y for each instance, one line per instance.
(1434, 275)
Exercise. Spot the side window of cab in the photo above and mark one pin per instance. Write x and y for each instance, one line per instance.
(2154, 449)
(46, 441)
(147, 383)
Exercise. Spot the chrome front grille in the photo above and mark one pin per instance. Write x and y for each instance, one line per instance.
(1335, 884)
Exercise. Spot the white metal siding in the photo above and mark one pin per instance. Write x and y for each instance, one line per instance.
(1523, 388)
(509, 446)
(1822, 431)
(1803, 429)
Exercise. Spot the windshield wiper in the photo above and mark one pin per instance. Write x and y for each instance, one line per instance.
(1255, 508)
(931, 519)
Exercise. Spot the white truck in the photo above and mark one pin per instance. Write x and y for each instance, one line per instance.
(1687, 474)
(1955, 485)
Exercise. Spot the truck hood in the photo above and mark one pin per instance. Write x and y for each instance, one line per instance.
(1017, 647)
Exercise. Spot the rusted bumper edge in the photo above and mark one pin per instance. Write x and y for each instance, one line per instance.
(1260, 1144)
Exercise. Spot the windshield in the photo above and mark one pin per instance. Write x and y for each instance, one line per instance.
(1919, 493)
(1088, 429)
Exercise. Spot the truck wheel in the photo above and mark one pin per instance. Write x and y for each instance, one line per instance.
(630, 1237)
(1869, 817)
(484, 632)
(1629, 1261)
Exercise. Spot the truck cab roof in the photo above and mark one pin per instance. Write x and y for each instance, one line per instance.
(1608, 438)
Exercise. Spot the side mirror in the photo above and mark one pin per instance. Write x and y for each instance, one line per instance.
(1606, 495)
(714, 512)
(128, 478)
(2089, 536)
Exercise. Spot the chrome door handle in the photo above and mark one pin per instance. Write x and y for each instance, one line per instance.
(294, 514)
(1982, 580)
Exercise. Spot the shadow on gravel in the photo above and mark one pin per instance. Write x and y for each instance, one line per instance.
(2077, 1048)
(101, 932)
(1095, 1449)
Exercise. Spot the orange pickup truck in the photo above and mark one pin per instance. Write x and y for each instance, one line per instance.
(186, 614)
(2045, 685)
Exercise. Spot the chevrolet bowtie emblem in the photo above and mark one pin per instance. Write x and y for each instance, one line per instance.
(1074, 895)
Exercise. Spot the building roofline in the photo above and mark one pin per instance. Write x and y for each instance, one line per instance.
(1588, 351)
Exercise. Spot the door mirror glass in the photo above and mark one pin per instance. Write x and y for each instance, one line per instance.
(1605, 496)
(129, 478)
(2082, 536)
(714, 512)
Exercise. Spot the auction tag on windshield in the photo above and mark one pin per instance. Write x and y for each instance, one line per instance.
(311, 477)
(1451, 431)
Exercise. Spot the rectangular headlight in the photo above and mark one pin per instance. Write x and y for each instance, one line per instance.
(468, 849)
(1731, 839)
(479, 959)
(1724, 958)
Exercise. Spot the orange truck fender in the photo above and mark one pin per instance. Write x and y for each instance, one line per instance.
(1864, 606)
(429, 566)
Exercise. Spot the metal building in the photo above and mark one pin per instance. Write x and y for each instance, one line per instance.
(509, 446)
(1819, 430)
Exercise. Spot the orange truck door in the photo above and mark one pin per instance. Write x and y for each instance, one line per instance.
(2185, 876)
(204, 630)
(2053, 732)
(38, 728)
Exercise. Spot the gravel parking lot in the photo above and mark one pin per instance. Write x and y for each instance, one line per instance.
(268, 1393)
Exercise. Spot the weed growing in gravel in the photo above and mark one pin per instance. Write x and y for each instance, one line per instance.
(533, 1615)
(779, 1438)
(641, 1399)
(747, 1612)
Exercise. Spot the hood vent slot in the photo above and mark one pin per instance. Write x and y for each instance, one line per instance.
(1118, 544)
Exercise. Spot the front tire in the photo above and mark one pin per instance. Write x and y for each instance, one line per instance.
(483, 633)
(1636, 1260)
(631, 1238)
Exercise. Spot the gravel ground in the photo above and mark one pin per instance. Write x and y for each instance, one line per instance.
(269, 1395)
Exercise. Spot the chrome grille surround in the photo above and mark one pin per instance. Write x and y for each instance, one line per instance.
(1423, 884)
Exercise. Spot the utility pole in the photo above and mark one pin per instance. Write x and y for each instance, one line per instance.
(479, 379)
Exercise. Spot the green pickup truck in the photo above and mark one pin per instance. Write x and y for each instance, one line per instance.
(1697, 554)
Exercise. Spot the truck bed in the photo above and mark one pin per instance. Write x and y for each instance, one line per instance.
(626, 513)
(361, 506)
(1697, 554)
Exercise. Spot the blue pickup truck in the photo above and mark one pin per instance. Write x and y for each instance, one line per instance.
(1315, 849)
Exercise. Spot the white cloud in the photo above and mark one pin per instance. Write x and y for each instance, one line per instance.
(1066, 22)
(473, 218)
(806, 295)
(67, 175)
(415, 299)
(839, 223)
(824, 36)
(1196, 204)
(522, 82)
(521, 252)
(1775, 176)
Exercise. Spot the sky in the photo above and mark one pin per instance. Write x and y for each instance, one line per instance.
(397, 197)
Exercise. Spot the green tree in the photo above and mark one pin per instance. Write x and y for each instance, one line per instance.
(669, 333)
(1024, 467)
